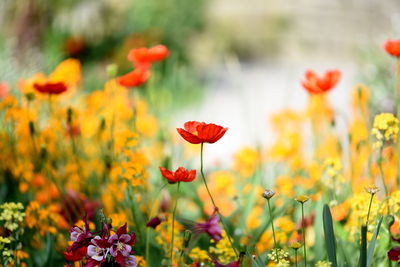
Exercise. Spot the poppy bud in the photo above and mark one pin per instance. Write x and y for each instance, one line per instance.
(186, 238)
(31, 128)
(69, 115)
(165, 203)
(112, 70)
(268, 193)
(30, 96)
(154, 222)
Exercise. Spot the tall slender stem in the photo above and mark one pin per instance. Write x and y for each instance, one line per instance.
(397, 98)
(304, 234)
(272, 222)
(212, 200)
(173, 223)
(295, 257)
(383, 178)
(148, 228)
(369, 208)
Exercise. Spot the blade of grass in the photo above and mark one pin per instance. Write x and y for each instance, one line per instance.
(329, 235)
(371, 247)
(363, 248)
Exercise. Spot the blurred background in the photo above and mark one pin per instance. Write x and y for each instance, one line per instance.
(232, 62)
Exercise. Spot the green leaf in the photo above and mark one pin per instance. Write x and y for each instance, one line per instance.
(254, 263)
(329, 235)
(371, 247)
(363, 248)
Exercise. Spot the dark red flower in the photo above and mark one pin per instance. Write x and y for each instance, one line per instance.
(121, 244)
(394, 254)
(76, 205)
(200, 132)
(231, 264)
(144, 57)
(51, 88)
(75, 255)
(211, 227)
(154, 222)
(134, 78)
(180, 175)
(315, 84)
(392, 47)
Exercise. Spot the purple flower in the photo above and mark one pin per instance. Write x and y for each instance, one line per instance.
(80, 236)
(98, 249)
(130, 261)
(211, 227)
(154, 222)
(120, 244)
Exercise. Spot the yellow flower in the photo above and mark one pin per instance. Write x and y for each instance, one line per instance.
(386, 128)
(302, 199)
(323, 264)
(199, 255)
(295, 245)
(246, 161)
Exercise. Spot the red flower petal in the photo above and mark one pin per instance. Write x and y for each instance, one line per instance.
(168, 175)
(191, 138)
(392, 47)
(134, 78)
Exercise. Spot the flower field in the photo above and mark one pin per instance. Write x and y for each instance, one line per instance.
(104, 177)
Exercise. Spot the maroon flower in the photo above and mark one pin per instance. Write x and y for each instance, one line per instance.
(76, 205)
(81, 238)
(231, 264)
(97, 251)
(51, 88)
(211, 227)
(121, 244)
(154, 222)
(394, 254)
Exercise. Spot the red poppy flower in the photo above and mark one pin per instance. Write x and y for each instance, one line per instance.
(200, 132)
(51, 88)
(144, 57)
(392, 47)
(75, 255)
(134, 78)
(394, 254)
(180, 175)
(315, 84)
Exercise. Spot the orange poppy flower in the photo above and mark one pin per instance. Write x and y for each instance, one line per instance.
(144, 57)
(315, 84)
(134, 78)
(51, 88)
(392, 47)
(200, 132)
(180, 175)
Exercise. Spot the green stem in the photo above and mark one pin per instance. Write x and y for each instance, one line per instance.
(304, 234)
(173, 223)
(397, 98)
(212, 200)
(295, 257)
(148, 228)
(383, 178)
(369, 208)
(272, 222)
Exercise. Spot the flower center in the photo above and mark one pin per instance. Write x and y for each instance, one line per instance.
(120, 246)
